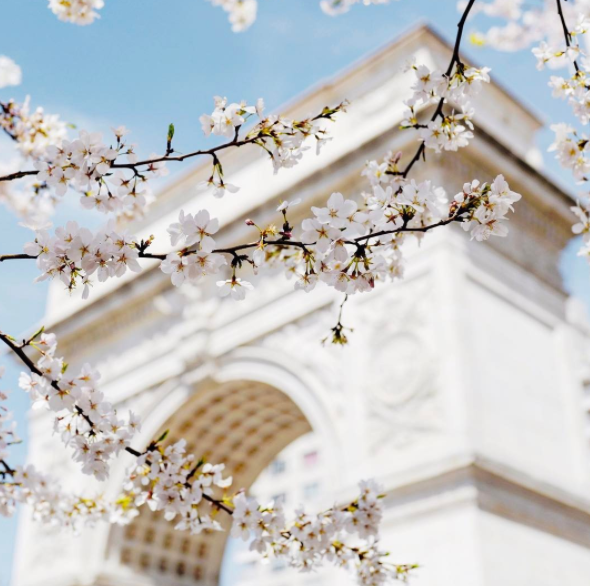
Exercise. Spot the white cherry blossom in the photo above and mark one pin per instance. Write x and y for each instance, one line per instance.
(81, 12)
(234, 287)
(10, 72)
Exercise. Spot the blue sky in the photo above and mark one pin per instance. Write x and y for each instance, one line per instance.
(148, 63)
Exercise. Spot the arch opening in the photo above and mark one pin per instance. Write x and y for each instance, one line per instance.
(244, 424)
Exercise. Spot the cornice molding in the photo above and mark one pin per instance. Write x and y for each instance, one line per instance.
(493, 488)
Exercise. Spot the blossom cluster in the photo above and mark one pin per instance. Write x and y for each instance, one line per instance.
(452, 131)
(176, 483)
(47, 503)
(351, 247)
(86, 422)
(32, 130)
(196, 259)
(563, 54)
(25, 484)
(283, 139)
(10, 72)
(79, 12)
(571, 150)
(309, 539)
(486, 206)
(74, 254)
(570, 146)
(86, 165)
(184, 490)
(241, 13)
(33, 133)
(575, 89)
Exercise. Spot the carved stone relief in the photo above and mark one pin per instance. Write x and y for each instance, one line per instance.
(401, 372)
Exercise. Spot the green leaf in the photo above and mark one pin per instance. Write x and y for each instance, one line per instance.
(163, 436)
(38, 333)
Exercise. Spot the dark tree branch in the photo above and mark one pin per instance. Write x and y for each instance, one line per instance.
(19, 351)
(22, 256)
(17, 175)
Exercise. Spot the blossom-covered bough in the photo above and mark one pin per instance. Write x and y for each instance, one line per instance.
(557, 28)
(112, 179)
(188, 491)
(349, 244)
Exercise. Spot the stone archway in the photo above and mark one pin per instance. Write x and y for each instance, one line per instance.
(244, 424)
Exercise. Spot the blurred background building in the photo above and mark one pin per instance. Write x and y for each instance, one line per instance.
(465, 389)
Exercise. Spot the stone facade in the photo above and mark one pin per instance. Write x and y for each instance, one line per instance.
(464, 390)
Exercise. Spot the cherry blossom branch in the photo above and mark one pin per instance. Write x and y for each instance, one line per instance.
(19, 350)
(346, 247)
(571, 147)
(326, 114)
(455, 59)
(233, 250)
(259, 139)
(174, 484)
(143, 245)
(75, 254)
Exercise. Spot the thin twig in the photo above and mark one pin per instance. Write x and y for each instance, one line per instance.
(217, 503)
(566, 33)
